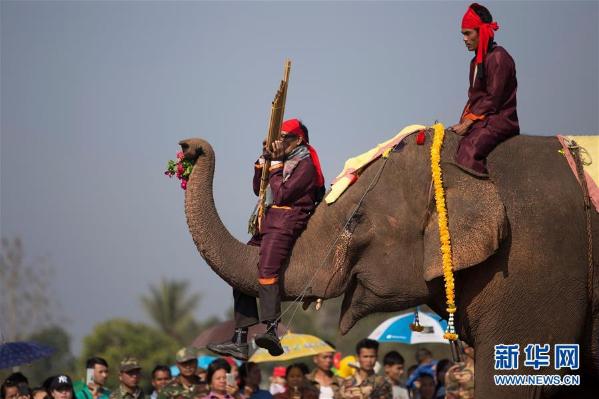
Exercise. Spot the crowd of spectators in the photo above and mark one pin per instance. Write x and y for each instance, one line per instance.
(225, 378)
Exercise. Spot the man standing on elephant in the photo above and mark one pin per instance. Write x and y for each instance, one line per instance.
(296, 185)
(489, 116)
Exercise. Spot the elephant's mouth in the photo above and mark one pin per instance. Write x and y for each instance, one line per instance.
(357, 303)
(360, 301)
(192, 149)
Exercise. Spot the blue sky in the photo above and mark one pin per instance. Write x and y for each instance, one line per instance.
(96, 95)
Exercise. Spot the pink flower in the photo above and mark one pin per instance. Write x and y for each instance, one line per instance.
(184, 184)
(180, 155)
(180, 168)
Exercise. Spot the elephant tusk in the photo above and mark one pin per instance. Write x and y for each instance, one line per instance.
(318, 304)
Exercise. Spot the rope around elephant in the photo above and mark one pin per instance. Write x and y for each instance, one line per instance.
(303, 293)
(444, 235)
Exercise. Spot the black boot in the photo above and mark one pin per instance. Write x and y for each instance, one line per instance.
(270, 340)
(237, 347)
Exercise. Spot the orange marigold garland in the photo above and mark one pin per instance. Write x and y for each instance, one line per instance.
(444, 237)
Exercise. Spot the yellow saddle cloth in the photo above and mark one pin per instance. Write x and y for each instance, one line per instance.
(354, 166)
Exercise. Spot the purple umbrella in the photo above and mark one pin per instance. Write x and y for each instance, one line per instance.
(18, 353)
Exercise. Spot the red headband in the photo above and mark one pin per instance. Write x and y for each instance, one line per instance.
(294, 127)
(471, 20)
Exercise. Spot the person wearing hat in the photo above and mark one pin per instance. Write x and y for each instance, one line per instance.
(187, 384)
(129, 377)
(489, 116)
(61, 387)
(296, 185)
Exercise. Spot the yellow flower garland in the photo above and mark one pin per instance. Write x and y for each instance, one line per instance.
(444, 237)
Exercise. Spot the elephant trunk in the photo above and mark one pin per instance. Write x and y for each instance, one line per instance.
(232, 260)
(319, 264)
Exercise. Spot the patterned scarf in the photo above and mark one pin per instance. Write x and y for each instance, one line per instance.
(289, 166)
(295, 156)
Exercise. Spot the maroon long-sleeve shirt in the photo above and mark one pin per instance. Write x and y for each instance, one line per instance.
(293, 200)
(492, 99)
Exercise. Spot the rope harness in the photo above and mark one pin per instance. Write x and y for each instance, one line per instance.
(577, 153)
(450, 334)
(456, 346)
(444, 237)
(303, 293)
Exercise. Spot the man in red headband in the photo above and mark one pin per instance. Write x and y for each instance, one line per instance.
(296, 185)
(489, 116)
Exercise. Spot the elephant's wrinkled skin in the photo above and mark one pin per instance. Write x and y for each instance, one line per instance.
(518, 241)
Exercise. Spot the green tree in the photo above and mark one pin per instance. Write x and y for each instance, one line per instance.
(117, 338)
(61, 361)
(171, 307)
(25, 303)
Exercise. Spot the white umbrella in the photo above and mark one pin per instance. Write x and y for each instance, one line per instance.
(397, 329)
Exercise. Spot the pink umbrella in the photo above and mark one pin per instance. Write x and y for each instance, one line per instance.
(224, 331)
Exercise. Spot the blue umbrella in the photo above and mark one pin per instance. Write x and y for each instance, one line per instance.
(17, 353)
(397, 329)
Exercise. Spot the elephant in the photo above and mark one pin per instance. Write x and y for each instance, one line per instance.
(519, 251)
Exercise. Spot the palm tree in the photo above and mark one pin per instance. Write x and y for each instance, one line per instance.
(171, 308)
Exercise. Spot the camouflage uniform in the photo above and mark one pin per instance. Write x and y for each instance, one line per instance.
(459, 381)
(336, 383)
(176, 389)
(373, 387)
(128, 364)
(122, 393)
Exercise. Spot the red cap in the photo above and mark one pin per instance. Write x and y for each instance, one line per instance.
(294, 126)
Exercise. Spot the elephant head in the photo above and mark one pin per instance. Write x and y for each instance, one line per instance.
(383, 255)
(409, 268)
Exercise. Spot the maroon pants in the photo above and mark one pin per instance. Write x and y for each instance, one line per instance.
(275, 247)
(474, 148)
(279, 232)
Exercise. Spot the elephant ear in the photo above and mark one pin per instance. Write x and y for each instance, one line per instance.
(477, 222)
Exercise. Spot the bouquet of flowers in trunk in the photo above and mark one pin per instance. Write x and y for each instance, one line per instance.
(181, 168)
